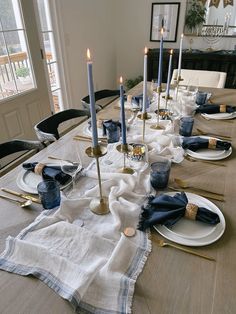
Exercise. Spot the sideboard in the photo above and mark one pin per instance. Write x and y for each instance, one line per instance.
(222, 61)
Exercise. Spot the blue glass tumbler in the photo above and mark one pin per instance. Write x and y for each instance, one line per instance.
(49, 193)
(201, 98)
(159, 173)
(186, 126)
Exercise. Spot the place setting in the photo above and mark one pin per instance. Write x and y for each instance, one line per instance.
(184, 218)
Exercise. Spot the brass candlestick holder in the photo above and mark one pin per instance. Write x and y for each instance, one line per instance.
(125, 149)
(144, 116)
(99, 205)
(166, 112)
(158, 126)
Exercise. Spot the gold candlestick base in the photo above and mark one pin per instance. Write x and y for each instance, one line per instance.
(99, 206)
(125, 149)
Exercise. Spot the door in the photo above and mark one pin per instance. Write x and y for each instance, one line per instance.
(22, 103)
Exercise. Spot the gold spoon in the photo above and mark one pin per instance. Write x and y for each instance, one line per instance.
(21, 203)
(162, 243)
(185, 185)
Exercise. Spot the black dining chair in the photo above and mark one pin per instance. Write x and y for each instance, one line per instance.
(101, 94)
(14, 146)
(47, 129)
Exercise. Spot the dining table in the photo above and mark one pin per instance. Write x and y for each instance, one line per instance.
(172, 281)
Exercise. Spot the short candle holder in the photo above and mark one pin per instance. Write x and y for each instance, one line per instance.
(158, 126)
(99, 205)
(144, 116)
(125, 149)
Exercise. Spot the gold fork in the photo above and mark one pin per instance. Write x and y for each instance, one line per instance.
(225, 137)
(185, 185)
(216, 163)
(162, 243)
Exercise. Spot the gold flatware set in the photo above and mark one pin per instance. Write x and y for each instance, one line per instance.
(192, 159)
(223, 137)
(25, 196)
(162, 243)
(88, 139)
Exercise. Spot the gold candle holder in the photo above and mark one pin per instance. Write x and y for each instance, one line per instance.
(125, 149)
(144, 116)
(177, 80)
(99, 205)
(158, 126)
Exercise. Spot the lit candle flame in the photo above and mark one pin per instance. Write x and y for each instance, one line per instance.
(88, 55)
(171, 51)
(145, 50)
(182, 35)
(162, 31)
(121, 80)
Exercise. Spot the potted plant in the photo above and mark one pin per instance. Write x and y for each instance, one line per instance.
(195, 16)
(23, 73)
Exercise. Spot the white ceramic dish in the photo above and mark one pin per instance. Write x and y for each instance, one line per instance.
(87, 131)
(27, 181)
(209, 154)
(194, 233)
(220, 116)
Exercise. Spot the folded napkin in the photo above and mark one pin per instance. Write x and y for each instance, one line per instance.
(167, 210)
(48, 172)
(135, 99)
(215, 108)
(195, 143)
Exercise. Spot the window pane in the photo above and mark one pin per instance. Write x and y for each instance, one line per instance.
(49, 47)
(53, 76)
(10, 15)
(44, 18)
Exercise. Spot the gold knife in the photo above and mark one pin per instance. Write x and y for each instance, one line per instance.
(25, 196)
(211, 195)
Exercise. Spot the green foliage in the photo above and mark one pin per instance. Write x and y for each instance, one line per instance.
(22, 72)
(130, 83)
(195, 14)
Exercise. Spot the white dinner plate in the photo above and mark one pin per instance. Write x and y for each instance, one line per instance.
(27, 181)
(220, 115)
(87, 131)
(209, 154)
(194, 233)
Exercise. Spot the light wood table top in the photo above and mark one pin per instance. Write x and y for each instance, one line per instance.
(172, 281)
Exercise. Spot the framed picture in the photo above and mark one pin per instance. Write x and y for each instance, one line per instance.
(166, 16)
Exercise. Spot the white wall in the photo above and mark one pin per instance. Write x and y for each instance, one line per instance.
(87, 24)
(116, 31)
(133, 18)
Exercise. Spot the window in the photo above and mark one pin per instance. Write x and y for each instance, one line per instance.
(50, 52)
(16, 71)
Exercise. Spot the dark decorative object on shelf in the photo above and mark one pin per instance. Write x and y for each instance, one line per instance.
(222, 61)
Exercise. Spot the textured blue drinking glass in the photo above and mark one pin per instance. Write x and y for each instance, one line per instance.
(49, 194)
(186, 126)
(201, 98)
(159, 173)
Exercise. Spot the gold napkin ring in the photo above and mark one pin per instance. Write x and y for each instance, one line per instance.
(39, 168)
(212, 143)
(222, 108)
(191, 211)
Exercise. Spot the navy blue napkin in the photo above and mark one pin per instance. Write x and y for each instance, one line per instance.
(195, 143)
(50, 172)
(167, 210)
(214, 108)
(135, 99)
